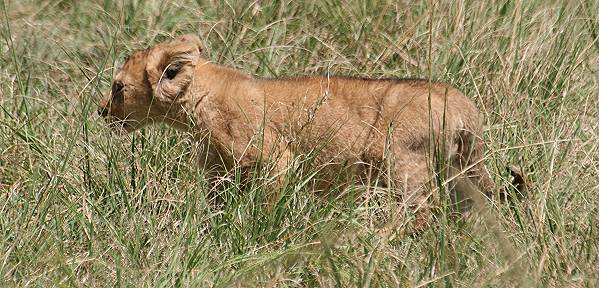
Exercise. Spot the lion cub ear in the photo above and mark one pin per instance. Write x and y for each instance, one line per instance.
(169, 65)
(192, 39)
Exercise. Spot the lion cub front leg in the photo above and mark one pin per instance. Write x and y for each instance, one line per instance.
(279, 157)
(410, 179)
(280, 166)
(271, 158)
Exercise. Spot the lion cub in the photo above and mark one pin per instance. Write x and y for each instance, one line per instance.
(361, 129)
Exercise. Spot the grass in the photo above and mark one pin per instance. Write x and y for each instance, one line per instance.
(80, 206)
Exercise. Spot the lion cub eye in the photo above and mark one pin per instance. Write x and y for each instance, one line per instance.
(171, 71)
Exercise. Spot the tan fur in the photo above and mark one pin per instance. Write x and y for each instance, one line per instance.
(390, 128)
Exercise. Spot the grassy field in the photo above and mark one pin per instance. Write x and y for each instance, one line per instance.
(80, 206)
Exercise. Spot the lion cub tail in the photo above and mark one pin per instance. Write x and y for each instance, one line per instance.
(518, 188)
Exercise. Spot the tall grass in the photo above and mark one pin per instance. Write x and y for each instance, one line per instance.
(80, 206)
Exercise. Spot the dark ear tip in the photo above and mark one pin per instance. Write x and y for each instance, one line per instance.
(191, 38)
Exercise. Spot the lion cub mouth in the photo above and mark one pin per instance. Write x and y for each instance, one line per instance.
(119, 125)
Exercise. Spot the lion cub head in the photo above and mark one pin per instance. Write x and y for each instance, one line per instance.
(145, 89)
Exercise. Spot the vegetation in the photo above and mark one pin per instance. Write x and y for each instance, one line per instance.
(81, 206)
